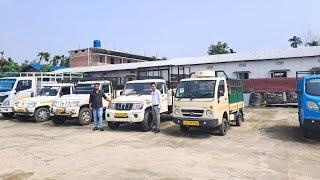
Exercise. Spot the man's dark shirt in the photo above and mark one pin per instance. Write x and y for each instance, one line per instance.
(96, 99)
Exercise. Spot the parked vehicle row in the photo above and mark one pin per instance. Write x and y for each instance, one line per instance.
(204, 100)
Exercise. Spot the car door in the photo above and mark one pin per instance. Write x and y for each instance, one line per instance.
(23, 89)
(164, 97)
(106, 88)
(222, 97)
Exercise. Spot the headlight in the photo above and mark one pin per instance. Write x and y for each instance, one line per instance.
(137, 106)
(112, 106)
(74, 103)
(176, 111)
(209, 113)
(312, 106)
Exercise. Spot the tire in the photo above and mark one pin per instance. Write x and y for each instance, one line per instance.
(8, 115)
(113, 125)
(85, 116)
(42, 114)
(146, 124)
(22, 117)
(239, 119)
(58, 120)
(223, 128)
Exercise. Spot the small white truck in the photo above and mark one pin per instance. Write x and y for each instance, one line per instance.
(135, 104)
(18, 86)
(38, 108)
(76, 105)
(208, 100)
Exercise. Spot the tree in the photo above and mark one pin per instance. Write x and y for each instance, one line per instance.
(313, 43)
(295, 41)
(65, 60)
(56, 60)
(219, 48)
(44, 56)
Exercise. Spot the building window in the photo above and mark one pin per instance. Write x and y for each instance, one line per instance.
(279, 74)
(75, 52)
(111, 60)
(83, 50)
(242, 75)
(210, 67)
(279, 63)
(129, 61)
(242, 65)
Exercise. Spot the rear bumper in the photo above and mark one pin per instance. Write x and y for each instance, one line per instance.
(203, 122)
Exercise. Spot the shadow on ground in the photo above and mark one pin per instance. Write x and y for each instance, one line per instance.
(290, 133)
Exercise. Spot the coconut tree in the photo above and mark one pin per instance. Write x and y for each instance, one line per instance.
(295, 41)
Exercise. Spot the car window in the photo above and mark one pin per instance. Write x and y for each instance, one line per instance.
(24, 85)
(65, 91)
(105, 88)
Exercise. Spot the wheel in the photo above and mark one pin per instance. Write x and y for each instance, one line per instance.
(22, 117)
(223, 128)
(8, 115)
(184, 129)
(305, 132)
(239, 119)
(113, 125)
(58, 120)
(42, 114)
(85, 116)
(146, 124)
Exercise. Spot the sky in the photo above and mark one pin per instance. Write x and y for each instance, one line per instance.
(166, 28)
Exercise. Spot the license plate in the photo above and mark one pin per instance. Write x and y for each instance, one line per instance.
(20, 110)
(191, 123)
(120, 115)
(59, 110)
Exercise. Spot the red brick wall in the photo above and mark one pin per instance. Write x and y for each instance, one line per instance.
(79, 58)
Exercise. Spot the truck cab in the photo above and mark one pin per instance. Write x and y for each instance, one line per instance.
(76, 105)
(308, 90)
(206, 100)
(38, 108)
(13, 89)
(135, 104)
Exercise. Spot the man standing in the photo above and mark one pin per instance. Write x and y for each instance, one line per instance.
(156, 105)
(95, 104)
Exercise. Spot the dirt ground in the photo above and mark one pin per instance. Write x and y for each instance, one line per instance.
(267, 146)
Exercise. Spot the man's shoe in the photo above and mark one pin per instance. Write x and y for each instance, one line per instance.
(101, 129)
(95, 128)
(157, 131)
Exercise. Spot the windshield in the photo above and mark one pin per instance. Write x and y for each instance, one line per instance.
(49, 91)
(83, 89)
(313, 87)
(6, 84)
(196, 89)
(140, 88)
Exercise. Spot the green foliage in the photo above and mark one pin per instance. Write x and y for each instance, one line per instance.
(219, 48)
(46, 67)
(295, 41)
(44, 56)
(313, 43)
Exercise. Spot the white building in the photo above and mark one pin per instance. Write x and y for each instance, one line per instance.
(253, 65)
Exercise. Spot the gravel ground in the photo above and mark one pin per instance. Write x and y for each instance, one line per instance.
(267, 146)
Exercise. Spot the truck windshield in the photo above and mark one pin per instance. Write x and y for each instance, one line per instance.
(83, 89)
(313, 87)
(6, 84)
(196, 89)
(140, 88)
(49, 91)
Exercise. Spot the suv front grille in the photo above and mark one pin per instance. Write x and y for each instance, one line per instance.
(192, 113)
(124, 106)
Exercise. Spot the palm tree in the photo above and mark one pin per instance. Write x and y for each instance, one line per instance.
(44, 56)
(313, 43)
(295, 41)
(56, 60)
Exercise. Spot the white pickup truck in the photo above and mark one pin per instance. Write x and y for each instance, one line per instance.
(135, 104)
(26, 84)
(76, 105)
(38, 107)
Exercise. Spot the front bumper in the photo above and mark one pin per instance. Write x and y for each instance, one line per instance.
(203, 122)
(126, 116)
(65, 111)
(6, 109)
(24, 111)
(311, 123)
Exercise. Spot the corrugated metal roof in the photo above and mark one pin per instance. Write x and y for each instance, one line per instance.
(221, 58)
